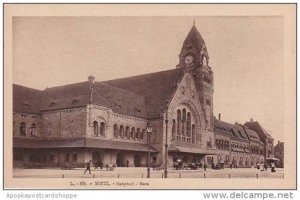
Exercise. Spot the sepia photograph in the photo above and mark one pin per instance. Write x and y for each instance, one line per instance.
(163, 97)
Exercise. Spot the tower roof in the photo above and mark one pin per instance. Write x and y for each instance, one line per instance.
(194, 39)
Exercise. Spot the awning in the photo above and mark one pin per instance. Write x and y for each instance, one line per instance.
(117, 144)
(273, 159)
(185, 149)
(36, 143)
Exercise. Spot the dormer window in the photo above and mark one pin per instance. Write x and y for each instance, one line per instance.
(75, 101)
(52, 104)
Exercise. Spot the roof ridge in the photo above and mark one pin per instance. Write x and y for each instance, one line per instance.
(119, 89)
(141, 75)
(14, 84)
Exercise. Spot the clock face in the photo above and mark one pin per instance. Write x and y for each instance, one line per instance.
(188, 59)
(204, 61)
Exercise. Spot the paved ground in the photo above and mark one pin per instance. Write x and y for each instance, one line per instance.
(141, 172)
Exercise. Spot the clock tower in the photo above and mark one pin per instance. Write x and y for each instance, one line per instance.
(194, 59)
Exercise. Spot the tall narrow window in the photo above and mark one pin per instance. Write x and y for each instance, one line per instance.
(178, 122)
(173, 129)
(143, 137)
(183, 122)
(115, 130)
(193, 134)
(102, 128)
(33, 129)
(138, 133)
(95, 125)
(121, 131)
(132, 134)
(127, 132)
(23, 129)
(189, 124)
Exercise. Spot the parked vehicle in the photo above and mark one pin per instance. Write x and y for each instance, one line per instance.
(33, 165)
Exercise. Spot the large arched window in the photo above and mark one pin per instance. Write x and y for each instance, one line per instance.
(115, 130)
(23, 129)
(33, 129)
(95, 125)
(102, 128)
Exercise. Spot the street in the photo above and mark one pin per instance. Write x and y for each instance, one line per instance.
(141, 172)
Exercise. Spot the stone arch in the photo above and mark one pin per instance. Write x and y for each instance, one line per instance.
(195, 112)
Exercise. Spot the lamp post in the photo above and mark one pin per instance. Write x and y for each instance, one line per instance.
(149, 131)
(166, 143)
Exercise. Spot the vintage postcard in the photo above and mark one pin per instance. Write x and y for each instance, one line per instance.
(146, 96)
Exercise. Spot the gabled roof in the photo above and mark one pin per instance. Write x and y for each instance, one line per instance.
(138, 96)
(252, 135)
(193, 38)
(232, 130)
(155, 88)
(26, 99)
(279, 147)
(262, 133)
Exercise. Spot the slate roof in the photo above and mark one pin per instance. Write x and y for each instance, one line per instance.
(262, 133)
(155, 88)
(279, 147)
(139, 96)
(193, 38)
(26, 99)
(232, 130)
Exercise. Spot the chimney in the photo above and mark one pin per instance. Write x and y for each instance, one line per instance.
(251, 119)
(219, 116)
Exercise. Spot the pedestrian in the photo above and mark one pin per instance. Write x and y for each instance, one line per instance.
(273, 167)
(88, 166)
(127, 163)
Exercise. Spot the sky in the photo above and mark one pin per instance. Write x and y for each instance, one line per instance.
(245, 53)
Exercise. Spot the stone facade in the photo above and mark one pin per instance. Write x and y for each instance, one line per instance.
(107, 122)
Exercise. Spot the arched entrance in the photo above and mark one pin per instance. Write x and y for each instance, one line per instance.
(137, 160)
(97, 158)
(120, 160)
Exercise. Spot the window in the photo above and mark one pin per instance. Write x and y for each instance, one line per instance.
(178, 122)
(23, 129)
(75, 101)
(173, 128)
(102, 128)
(74, 157)
(115, 130)
(121, 131)
(208, 102)
(132, 134)
(127, 132)
(67, 157)
(51, 157)
(95, 125)
(138, 133)
(143, 136)
(33, 129)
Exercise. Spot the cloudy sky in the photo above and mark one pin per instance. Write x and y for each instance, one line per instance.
(246, 55)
